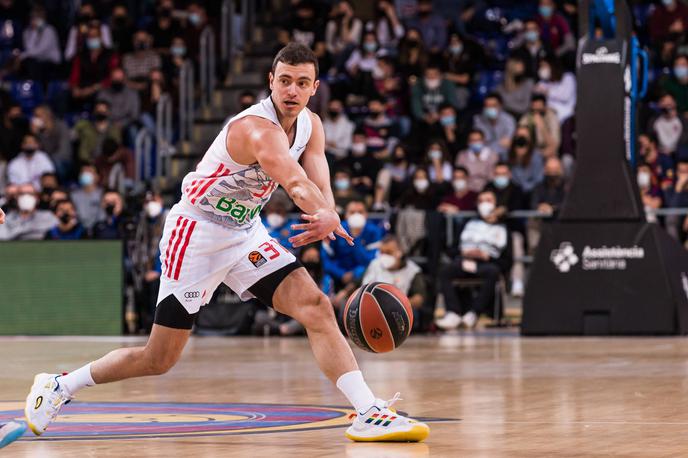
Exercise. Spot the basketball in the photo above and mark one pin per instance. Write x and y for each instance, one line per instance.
(378, 317)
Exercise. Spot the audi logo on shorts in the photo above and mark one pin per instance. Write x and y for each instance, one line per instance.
(192, 295)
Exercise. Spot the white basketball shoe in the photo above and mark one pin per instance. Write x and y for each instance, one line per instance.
(44, 402)
(382, 424)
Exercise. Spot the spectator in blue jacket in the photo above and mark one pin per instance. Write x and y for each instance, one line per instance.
(345, 263)
(277, 223)
(68, 226)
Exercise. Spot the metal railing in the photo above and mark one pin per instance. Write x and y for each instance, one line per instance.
(163, 135)
(186, 101)
(143, 153)
(207, 66)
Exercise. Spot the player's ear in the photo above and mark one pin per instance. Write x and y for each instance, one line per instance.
(271, 77)
(316, 85)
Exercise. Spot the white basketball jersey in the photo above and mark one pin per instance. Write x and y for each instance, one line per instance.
(232, 194)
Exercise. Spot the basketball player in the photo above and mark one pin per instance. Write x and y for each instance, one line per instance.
(214, 235)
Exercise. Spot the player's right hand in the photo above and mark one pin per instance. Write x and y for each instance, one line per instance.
(2, 216)
(321, 225)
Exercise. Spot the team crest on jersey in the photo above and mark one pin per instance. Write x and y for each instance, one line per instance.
(256, 258)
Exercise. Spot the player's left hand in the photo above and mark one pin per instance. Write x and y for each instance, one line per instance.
(2, 216)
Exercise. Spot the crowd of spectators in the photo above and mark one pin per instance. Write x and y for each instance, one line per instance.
(430, 108)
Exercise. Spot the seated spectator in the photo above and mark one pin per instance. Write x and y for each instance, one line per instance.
(110, 228)
(363, 61)
(42, 52)
(338, 131)
(393, 179)
(343, 192)
(30, 165)
(54, 137)
(544, 122)
(497, 125)
(138, 64)
(91, 134)
(452, 135)
(413, 56)
(422, 195)
(26, 222)
(14, 128)
(668, 19)
(124, 102)
(517, 88)
(527, 164)
(387, 26)
(391, 266)
(156, 86)
(364, 167)
(677, 83)
(122, 29)
(461, 198)
(462, 59)
(278, 225)
(166, 27)
(677, 197)
(116, 165)
(509, 195)
(10, 38)
(432, 27)
(197, 21)
(484, 254)
(343, 32)
(662, 164)
(670, 128)
(558, 87)
(548, 196)
(380, 129)
(305, 25)
(91, 69)
(346, 263)
(650, 192)
(390, 88)
(68, 226)
(78, 33)
(437, 162)
(479, 159)
(554, 29)
(531, 48)
(88, 196)
(49, 183)
(429, 94)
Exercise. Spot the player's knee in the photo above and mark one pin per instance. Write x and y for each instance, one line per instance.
(317, 312)
(158, 364)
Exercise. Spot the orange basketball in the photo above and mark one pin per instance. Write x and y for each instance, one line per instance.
(378, 317)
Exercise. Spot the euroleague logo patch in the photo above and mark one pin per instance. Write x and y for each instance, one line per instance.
(256, 258)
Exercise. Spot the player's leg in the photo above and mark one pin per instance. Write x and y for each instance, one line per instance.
(298, 296)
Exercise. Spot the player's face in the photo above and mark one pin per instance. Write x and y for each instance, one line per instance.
(292, 86)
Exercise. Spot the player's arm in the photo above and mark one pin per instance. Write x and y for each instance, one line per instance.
(314, 161)
(2, 216)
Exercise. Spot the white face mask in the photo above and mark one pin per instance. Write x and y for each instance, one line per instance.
(421, 184)
(433, 84)
(356, 220)
(387, 261)
(485, 209)
(545, 73)
(358, 149)
(275, 220)
(460, 185)
(435, 154)
(643, 179)
(26, 202)
(153, 209)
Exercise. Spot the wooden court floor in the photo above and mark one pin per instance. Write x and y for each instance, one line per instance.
(508, 397)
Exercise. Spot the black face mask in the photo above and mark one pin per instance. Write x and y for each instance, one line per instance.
(18, 123)
(47, 191)
(376, 113)
(110, 210)
(99, 117)
(245, 106)
(140, 46)
(399, 160)
(117, 86)
(65, 218)
(332, 113)
(552, 179)
(312, 265)
(521, 141)
(29, 151)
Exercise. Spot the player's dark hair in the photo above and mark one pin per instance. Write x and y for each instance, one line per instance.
(294, 54)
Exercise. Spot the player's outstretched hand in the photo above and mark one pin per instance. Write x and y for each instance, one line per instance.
(321, 225)
(2, 216)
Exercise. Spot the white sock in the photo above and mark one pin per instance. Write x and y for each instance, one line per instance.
(356, 390)
(78, 379)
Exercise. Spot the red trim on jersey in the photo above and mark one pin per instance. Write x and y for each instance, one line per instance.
(195, 192)
(169, 244)
(180, 261)
(170, 266)
(208, 184)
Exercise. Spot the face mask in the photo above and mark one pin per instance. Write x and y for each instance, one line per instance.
(38, 123)
(178, 51)
(117, 86)
(313, 267)
(432, 84)
(39, 23)
(476, 147)
(86, 179)
(153, 209)
(93, 43)
(358, 149)
(448, 120)
(29, 150)
(421, 184)
(681, 72)
(275, 220)
(667, 2)
(460, 185)
(387, 261)
(333, 114)
(398, 159)
(195, 18)
(99, 117)
(27, 202)
(435, 154)
(370, 47)
(65, 218)
(521, 141)
(546, 11)
(342, 184)
(17, 122)
(531, 36)
(485, 209)
(643, 179)
(501, 181)
(141, 45)
(356, 221)
(491, 112)
(545, 73)
(456, 49)
(109, 209)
